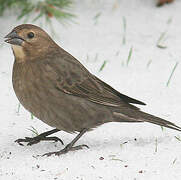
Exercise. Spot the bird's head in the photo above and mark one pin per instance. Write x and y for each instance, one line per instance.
(29, 42)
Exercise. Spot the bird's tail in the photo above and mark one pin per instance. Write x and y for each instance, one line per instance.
(159, 121)
(145, 117)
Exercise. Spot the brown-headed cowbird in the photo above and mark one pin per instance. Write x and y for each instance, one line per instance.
(57, 89)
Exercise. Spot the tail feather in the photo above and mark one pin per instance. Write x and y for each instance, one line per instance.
(159, 121)
(139, 116)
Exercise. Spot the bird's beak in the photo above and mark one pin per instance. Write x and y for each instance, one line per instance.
(14, 38)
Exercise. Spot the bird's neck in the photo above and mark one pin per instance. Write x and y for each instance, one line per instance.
(18, 53)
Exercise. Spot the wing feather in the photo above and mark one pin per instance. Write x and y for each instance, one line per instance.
(75, 79)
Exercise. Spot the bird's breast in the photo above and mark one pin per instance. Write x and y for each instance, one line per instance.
(38, 93)
(30, 88)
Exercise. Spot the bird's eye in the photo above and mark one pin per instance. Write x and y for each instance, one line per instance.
(31, 35)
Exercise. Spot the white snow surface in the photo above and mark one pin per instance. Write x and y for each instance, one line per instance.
(118, 151)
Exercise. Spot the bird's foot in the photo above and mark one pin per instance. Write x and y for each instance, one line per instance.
(37, 139)
(68, 148)
(162, 2)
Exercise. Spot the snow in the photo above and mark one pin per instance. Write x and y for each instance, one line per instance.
(117, 151)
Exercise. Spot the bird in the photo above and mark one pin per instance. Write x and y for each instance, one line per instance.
(56, 88)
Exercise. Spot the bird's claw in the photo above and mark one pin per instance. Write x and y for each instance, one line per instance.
(65, 150)
(20, 140)
(37, 139)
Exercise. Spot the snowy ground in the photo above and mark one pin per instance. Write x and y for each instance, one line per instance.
(117, 151)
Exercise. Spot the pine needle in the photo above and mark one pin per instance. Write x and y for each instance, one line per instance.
(148, 64)
(156, 145)
(170, 77)
(19, 105)
(161, 40)
(103, 65)
(178, 138)
(33, 130)
(124, 30)
(96, 17)
(32, 116)
(174, 161)
(129, 56)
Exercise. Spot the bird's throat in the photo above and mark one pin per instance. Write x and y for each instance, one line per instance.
(18, 53)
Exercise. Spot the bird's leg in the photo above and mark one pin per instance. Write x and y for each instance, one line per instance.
(40, 137)
(162, 2)
(69, 147)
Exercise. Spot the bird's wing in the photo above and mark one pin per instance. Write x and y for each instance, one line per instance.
(76, 80)
(97, 91)
(118, 94)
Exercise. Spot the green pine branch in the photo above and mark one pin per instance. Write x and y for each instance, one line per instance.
(59, 9)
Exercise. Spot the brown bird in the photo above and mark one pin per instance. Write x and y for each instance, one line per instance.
(57, 89)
